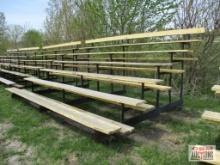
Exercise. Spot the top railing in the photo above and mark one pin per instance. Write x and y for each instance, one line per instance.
(117, 38)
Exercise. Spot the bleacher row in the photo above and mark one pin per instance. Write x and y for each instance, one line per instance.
(150, 61)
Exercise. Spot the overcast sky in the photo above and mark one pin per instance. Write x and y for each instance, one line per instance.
(30, 13)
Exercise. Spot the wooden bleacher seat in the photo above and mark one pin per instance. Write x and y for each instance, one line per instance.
(15, 73)
(10, 83)
(216, 89)
(131, 81)
(21, 66)
(211, 116)
(90, 120)
(139, 44)
(164, 70)
(6, 82)
(116, 63)
(137, 104)
(148, 35)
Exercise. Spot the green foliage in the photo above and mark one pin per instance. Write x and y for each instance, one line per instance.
(32, 38)
(3, 39)
(80, 19)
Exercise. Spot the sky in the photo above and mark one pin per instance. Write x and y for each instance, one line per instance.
(28, 13)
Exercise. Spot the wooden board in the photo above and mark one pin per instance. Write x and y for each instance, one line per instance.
(21, 66)
(175, 71)
(116, 63)
(118, 53)
(124, 80)
(139, 44)
(15, 73)
(107, 76)
(74, 43)
(111, 98)
(87, 119)
(215, 88)
(126, 59)
(148, 35)
(211, 116)
(6, 82)
(132, 52)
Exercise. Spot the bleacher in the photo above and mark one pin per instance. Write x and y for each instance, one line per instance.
(149, 62)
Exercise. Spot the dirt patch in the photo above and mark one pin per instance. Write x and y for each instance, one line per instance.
(63, 128)
(17, 153)
(21, 154)
(72, 159)
(159, 135)
(4, 127)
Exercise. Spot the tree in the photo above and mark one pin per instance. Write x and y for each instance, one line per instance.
(3, 39)
(200, 13)
(15, 33)
(82, 19)
(32, 38)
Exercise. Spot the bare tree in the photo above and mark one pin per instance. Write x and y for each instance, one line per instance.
(201, 13)
(15, 33)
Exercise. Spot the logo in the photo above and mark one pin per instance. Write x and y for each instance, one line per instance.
(201, 153)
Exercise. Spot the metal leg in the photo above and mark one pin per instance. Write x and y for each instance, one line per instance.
(158, 92)
(122, 113)
(142, 90)
(97, 82)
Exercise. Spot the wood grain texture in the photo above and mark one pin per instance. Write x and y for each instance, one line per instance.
(147, 69)
(111, 98)
(87, 119)
(6, 82)
(15, 73)
(116, 63)
(211, 116)
(148, 35)
(125, 80)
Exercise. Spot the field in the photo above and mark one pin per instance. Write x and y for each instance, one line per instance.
(28, 136)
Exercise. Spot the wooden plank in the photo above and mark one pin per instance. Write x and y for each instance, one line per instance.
(87, 119)
(116, 63)
(115, 99)
(23, 49)
(21, 66)
(74, 43)
(28, 49)
(107, 76)
(139, 44)
(15, 56)
(126, 59)
(122, 82)
(211, 116)
(6, 82)
(118, 53)
(148, 35)
(15, 73)
(215, 88)
(132, 52)
(174, 71)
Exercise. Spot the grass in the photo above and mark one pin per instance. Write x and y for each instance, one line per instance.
(51, 141)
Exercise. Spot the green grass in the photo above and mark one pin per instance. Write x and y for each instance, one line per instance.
(163, 141)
